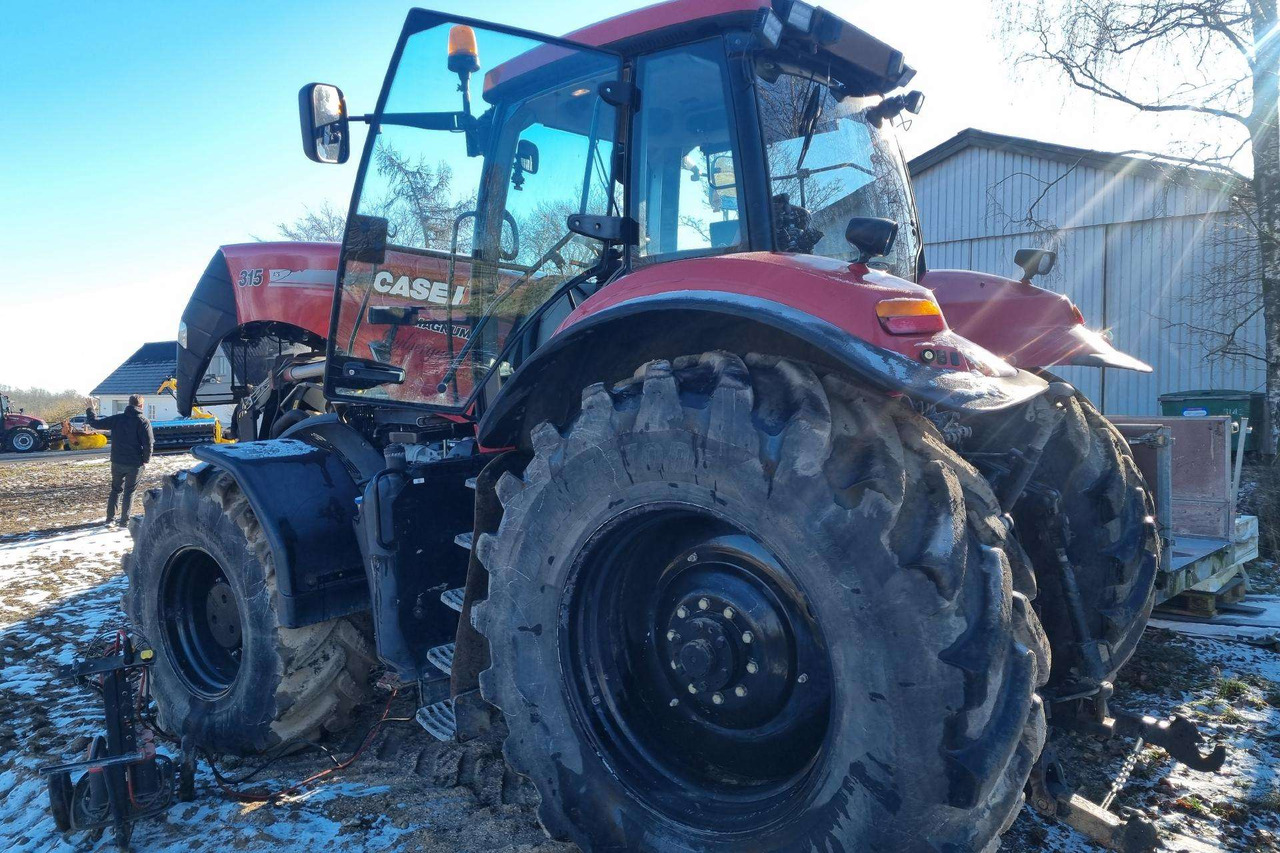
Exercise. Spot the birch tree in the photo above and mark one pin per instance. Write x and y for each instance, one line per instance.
(1213, 60)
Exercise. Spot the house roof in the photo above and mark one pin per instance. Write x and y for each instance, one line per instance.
(142, 372)
(1143, 166)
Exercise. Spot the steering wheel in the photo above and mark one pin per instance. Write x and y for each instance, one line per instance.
(515, 238)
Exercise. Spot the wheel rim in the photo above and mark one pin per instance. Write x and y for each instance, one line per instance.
(22, 442)
(697, 667)
(200, 612)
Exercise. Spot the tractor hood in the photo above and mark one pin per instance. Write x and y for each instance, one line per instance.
(13, 420)
(249, 290)
(1026, 325)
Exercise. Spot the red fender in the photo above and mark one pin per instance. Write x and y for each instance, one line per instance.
(1025, 325)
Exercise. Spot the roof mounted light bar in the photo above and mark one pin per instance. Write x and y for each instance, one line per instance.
(879, 62)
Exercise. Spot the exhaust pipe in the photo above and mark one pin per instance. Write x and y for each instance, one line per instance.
(303, 371)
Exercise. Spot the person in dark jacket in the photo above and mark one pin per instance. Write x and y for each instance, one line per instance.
(131, 446)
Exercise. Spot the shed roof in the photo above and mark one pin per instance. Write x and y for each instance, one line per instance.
(142, 372)
(1139, 166)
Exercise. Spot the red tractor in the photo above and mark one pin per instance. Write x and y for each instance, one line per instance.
(21, 433)
(762, 535)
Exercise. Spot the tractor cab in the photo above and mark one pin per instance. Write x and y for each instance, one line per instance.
(508, 176)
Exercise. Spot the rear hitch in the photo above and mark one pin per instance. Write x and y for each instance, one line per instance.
(1129, 831)
(1176, 735)
(1048, 793)
(1095, 656)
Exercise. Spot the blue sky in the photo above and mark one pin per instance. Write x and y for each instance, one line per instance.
(141, 136)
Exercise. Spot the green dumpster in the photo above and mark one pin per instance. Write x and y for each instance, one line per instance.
(1237, 404)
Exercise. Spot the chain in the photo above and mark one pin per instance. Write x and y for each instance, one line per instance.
(1123, 776)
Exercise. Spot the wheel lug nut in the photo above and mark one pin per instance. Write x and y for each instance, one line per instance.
(747, 637)
(692, 689)
(671, 635)
(674, 665)
(717, 699)
(692, 558)
(682, 611)
(802, 678)
(703, 603)
(753, 667)
(728, 613)
(739, 691)
(675, 702)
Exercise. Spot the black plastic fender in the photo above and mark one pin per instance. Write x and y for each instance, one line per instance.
(608, 346)
(304, 496)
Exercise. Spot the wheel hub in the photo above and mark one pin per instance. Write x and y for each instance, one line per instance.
(697, 664)
(726, 644)
(200, 614)
(223, 615)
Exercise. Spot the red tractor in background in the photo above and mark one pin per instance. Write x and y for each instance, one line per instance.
(22, 433)
(629, 425)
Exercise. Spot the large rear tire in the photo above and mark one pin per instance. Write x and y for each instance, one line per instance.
(1114, 547)
(715, 525)
(22, 440)
(202, 591)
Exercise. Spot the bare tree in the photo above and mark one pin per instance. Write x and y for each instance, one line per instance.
(1217, 61)
(50, 406)
(325, 225)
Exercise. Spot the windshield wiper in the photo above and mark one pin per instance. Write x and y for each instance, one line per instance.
(809, 121)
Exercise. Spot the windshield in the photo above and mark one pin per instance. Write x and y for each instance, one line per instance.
(476, 221)
(850, 168)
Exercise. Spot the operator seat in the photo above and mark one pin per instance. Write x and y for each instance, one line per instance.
(793, 226)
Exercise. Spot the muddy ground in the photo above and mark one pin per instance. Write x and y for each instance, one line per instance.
(60, 587)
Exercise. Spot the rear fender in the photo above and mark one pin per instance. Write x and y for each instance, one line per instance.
(609, 344)
(1026, 325)
(303, 493)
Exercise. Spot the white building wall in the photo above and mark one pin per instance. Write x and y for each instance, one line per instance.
(157, 407)
(1133, 253)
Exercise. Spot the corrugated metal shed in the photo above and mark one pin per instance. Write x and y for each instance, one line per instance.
(1137, 249)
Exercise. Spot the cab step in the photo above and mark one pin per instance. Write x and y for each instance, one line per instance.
(442, 657)
(463, 539)
(439, 720)
(453, 598)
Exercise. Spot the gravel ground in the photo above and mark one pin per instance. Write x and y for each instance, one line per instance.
(60, 586)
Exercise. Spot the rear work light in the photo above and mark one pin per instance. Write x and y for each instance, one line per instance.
(910, 316)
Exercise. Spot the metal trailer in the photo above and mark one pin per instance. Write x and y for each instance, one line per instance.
(1196, 478)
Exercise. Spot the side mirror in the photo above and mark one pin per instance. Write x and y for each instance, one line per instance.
(527, 156)
(326, 134)
(724, 183)
(526, 163)
(871, 236)
(1035, 262)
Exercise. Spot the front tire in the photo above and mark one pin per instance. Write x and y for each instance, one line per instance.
(202, 591)
(830, 555)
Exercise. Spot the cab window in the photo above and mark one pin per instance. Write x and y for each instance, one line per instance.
(685, 189)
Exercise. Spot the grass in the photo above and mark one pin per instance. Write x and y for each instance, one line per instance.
(1267, 801)
(1232, 689)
